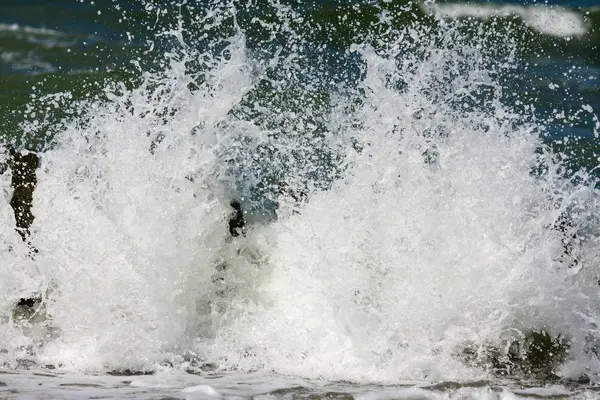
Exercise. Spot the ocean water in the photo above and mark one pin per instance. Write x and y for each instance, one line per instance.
(431, 150)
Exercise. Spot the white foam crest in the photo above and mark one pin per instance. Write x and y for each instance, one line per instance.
(436, 236)
(42, 37)
(260, 387)
(29, 29)
(25, 61)
(553, 21)
(392, 271)
(128, 238)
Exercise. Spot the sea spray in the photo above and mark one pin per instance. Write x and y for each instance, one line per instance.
(438, 235)
(425, 227)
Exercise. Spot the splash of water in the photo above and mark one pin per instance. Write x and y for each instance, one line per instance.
(426, 226)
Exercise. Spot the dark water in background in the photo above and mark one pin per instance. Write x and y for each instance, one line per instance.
(63, 45)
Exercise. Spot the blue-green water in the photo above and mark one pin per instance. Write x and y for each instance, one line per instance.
(50, 46)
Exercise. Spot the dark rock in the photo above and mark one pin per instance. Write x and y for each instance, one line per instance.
(542, 353)
(237, 223)
(537, 356)
(129, 372)
(23, 166)
(29, 302)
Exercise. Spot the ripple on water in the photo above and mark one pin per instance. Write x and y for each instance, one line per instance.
(179, 385)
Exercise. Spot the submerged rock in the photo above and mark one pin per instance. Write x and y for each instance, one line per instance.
(536, 355)
(542, 353)
(30, 309)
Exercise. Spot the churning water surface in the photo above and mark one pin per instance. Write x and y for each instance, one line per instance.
(435, 148)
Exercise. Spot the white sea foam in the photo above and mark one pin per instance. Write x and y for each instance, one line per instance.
(57, 385)
(18, 54)
(553, 21)
(27, 61)
(436, 234)
(29, 29)
(391, 270)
